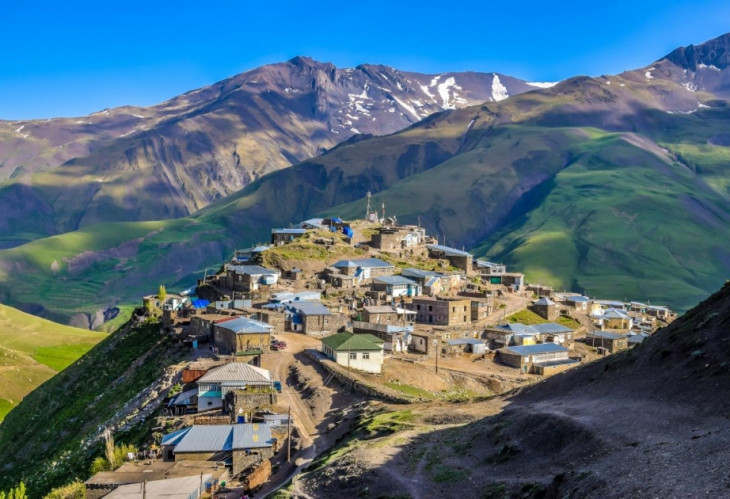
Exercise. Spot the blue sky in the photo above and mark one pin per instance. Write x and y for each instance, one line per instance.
(72, 58)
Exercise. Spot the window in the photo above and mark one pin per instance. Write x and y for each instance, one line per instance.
(365, 356)
(325, 321)
(430, 308)
(453, 309)
(418, 307)
(353, 356)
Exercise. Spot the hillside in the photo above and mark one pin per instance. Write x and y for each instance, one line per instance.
(51, 437)
(33, 350)
(170, 160)
(649, 422)
(613, 186)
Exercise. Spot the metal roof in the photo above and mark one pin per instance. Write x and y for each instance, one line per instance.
(216, 438)
(366, 263)
(394, 280)
(252, 270)
(613, 313)
(288, 231)
(534, 349)
(577, 299)
(465, 341)
(605, 335)
(380, 309)
(544, 301)
(309, 307)
(169, 488)
(236, 371)
(551, 327)
(413, 272)
(447, 250)
(244, 325)
(610, 303)
(182, 397)
(350, 341)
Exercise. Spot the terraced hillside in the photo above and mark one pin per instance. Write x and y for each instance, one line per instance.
(33, 350)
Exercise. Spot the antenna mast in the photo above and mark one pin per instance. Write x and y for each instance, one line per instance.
(367, 210)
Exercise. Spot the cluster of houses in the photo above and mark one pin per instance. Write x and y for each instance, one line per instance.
(363, 309)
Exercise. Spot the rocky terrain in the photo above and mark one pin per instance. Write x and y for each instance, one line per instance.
(649, 422)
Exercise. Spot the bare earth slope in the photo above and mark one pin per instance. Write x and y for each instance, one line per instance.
(650, 422)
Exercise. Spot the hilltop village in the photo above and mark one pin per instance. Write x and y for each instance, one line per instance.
(289, 340)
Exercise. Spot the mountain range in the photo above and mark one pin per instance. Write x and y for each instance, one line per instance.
(170, 160)
(615, 186)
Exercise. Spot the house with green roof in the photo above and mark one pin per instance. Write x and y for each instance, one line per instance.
(363, 352)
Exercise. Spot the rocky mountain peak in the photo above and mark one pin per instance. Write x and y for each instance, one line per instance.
(713, 54)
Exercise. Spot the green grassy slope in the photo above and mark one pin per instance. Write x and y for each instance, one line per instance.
(44, 439)
(32, 350)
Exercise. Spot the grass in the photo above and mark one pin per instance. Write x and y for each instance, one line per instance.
(33, 350)
(42, 437)
(409, 390)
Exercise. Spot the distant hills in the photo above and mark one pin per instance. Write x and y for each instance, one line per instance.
(615, 186)
(170, 160)
(32, 350)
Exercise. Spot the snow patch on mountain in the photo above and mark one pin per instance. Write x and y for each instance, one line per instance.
(711, 67)
(542, 84)
(648, 74)
(499, 91)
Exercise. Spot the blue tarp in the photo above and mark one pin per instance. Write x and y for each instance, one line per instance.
(347, 231)
(200, 303)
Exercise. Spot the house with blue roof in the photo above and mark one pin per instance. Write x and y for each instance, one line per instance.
(522, 334)
(241, 335)
(396, 286)
(364, 268)
(543, 358)
(311, 317)
(433, 283)
(239, 446)
(457, 258)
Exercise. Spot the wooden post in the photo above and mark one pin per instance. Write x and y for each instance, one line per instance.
(144, 489)
(288, 437)
(201, 484)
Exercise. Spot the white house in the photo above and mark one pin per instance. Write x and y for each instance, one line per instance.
(355, 351)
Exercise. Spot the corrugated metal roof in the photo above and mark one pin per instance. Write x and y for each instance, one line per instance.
(551, 327)
(464, 341)
(244, 325)
(181, 398)
(309, 307)
(534, 349)
(448, 250)
(394, 280)
(216, 438)
(379, 309)
(413, 272)
(169, 488)
(606, 335)
(578, 299)
(371, 263)
(613, 313)
(288, 231)
(252, 270)
(174, 437)
(544, 301)
(236, 371)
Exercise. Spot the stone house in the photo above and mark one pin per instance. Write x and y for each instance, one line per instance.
(242, 444)
(397, 237)
(457, 258)
(607, 341)
(240, 334)
(396, 338)
(311, 317)
(249, 277)
(542, 358)
(214, 385)
(364, 268)
(545, 308)
(282, 236)
(441, 311)
(396, 286)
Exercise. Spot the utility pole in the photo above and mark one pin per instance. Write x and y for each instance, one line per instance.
(436, 356)
(288, 437)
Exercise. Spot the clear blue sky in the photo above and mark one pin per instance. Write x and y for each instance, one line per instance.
(72, 58)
